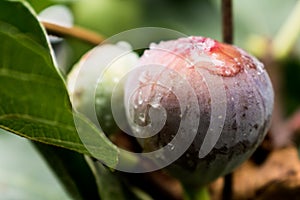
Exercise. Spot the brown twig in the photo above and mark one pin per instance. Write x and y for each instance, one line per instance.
(227, 21)
(227, 188)
(277, 178)
(227, 26)
(75, 31)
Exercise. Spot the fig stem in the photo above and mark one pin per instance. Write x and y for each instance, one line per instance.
(227, 189)
(193, 193)
(74, 31)
(287, 36)
(227, 21)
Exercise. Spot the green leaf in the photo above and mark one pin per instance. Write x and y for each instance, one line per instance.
(109, 186)
(34, 102)
(19, 14)
(192, 193)
(23, 173)
(39, 5)
(112, 186)
(72, 170)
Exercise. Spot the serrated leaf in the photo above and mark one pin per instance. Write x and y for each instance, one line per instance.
(34, 102)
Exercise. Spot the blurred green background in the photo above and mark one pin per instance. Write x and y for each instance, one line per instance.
(192, 17)
(23, 173)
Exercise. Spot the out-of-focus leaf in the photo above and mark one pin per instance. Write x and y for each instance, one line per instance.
(268, 18)
(194, 17)
(34, 101)
(23, 173)
(71, 168)
(39, 5)
(291, 89)
(107, 16)
(109, 186)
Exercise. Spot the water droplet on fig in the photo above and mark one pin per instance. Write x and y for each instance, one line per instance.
(142, 117)
(171, 146)
(116, 80)
(100, 101)
(140, 98)
(155, 105)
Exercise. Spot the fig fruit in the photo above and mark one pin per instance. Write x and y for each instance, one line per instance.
(234, 95)
(92, 81)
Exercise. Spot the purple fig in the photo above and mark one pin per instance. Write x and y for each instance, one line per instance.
(234, 96)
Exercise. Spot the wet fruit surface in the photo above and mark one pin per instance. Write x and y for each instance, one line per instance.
(235, 99)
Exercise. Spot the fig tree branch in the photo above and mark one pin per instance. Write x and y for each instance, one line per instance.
(227, 30)
(227, 21)
(74, 31)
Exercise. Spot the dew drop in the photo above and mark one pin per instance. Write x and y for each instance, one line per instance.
(140, 98)
(259, 72)
(160, 156)
(153, 45)
(155, 105)
(100, 101)
(142, 117)
(237, 83)
(116, 80)
(227, 72)
(171, 146)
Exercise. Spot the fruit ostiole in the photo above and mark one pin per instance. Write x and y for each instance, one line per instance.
(245, 100)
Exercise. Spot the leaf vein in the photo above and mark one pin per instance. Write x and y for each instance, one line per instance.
(39, 120)
(27, 77)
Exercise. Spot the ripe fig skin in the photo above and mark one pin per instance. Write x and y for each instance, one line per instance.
(248, 99)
